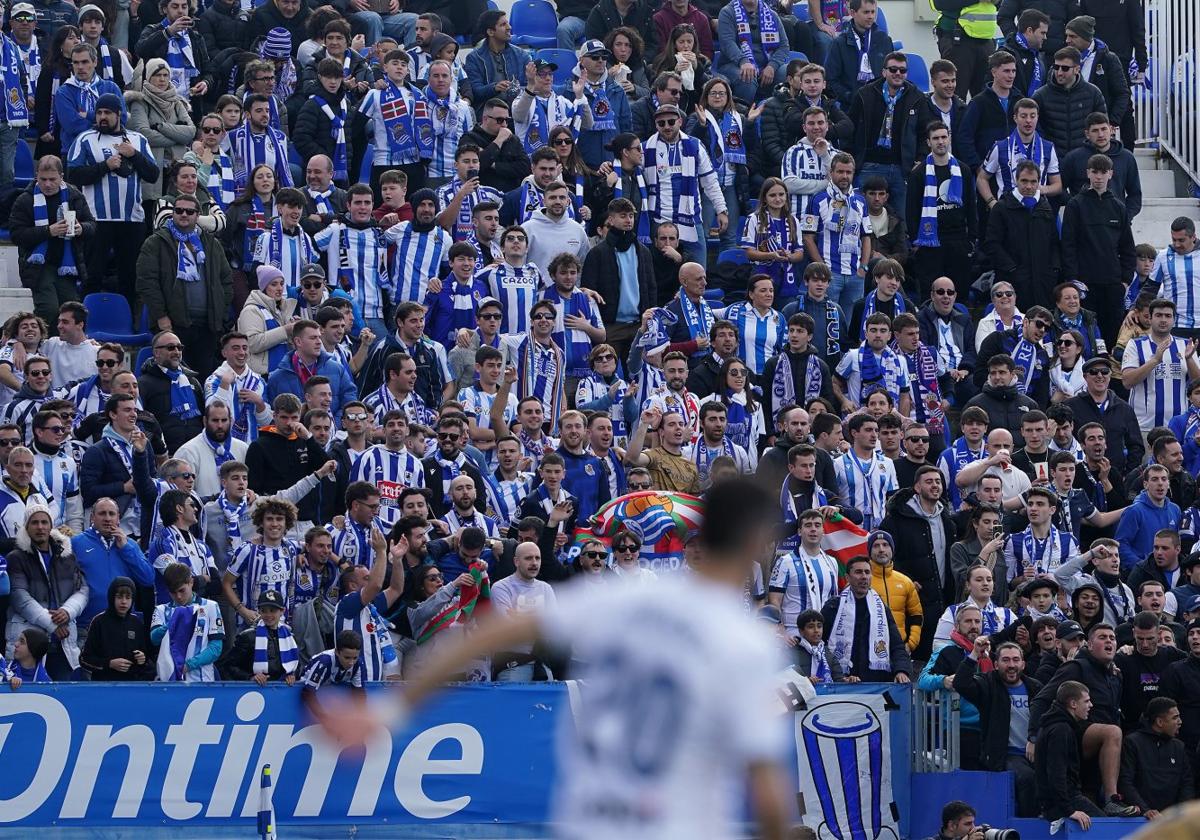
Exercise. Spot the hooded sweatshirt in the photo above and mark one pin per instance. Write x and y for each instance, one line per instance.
(1141, 520)
(114, 636)
(549, 238)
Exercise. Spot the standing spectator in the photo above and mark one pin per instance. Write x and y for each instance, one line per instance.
(364, 600)
(519, 593)
(309, 359)
(1126, 183)
(944, 220)
(110, 163)
(496, 67)
(1155, 369)
(857, 53)
(257, 143)
(1025, 42)
(290, 15)
(861, 632)
(503, 163)
(159, 113)
(107, 468)
(669, 469)
(212, 448)
(170, 391)
(283, 454)
(989, 116)
(620, 269)
(1022, 241)
(1151, 512)
(1181, 682)
(188, 630)
(608, 15)
(1143, 667)
(839, 233)
(105, 554)
(187, 283)
(117, 647)
(1058, 758)
(76, 101)
(1156, 770)
(884, 114)
(1024, 143)
(1121, 27)
(49, 591)
(865, 476)
(949, 333)
(895, 588)
(1123, 437)
(1065, 102)
(611, 113)
(1102, 68)
(1058, 12)
(967, 38)
(52, 254)
(71, 353)
(172, 41)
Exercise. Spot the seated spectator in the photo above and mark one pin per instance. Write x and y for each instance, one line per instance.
(339, 665)
(627, 49)
(862, 633)
(1156, 770)
(117, 646)
(1059, 757)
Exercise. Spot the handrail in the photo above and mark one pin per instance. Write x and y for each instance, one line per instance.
(1168, 109)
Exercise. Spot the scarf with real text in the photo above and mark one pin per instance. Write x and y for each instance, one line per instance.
(819, 664)
(878, 639)
(41, 218)
(180, 59)
(928, 232)
(768, 31)
(337, 131)
(783, 383)
(233, 518)
(289, 653)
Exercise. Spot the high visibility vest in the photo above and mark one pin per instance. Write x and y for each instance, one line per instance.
(977, 20)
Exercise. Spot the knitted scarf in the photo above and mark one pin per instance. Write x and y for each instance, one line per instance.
(841, 637)
(728, 145)
(927, 391)
(985, 663)
(183, 395)
(643, 213)
(783, 384)
(1025, 355)
(41, 218)
(819, 666)
(401, 122)
(539, 372)
(1012, 150)
(225, 190)
(337, 130)
(477, 594)
(697, 316)
(222, 452)
(872, 369)
(233, 518)
(180, 59)
(928, 226)
(870, 306)
(603, 118)
(768, 31)
(16, 110)
(256, 223)
(190, 253)
(890, 100)
(1035, 78)
(289, 653)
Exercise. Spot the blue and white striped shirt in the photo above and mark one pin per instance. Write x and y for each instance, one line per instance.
(246, 418)
(478, 403)
(114, 198)
(263, 568)
(1179, 279)
(505, 496)
(675, 173)
(323, 669)
(361, 265)
(464, 225)
(59, 474)
(448, 130)
(840, 222)
(516, 287)
(390, 472)
(1162, 394)
(576, 343)
(760, 337)
(866, 484)
(295, 252)
(805, 172)
(353, 542)
(418, 257)
(384, 156)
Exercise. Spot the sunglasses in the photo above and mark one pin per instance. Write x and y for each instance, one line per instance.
(357, 417)
(185, 211)
(208, 129)
(447, 435)
(605, 357)
(1041, 325)
(737, 372)
(317, 285)
(595, 555)
(543, 316)
(919, 439)
(186, 476)
(667, 122)
(9, 442)
(103, 363)
(39, 373)
(490, 316)
(1100, 372)
(512, 237)
(627, 548)
(170, 347)
(633, 486)
(564, 141)
(55, 430)
(501, 120)
(1003, 294)
(901, 70)
(945, 292)
(1063, 68)
(1066, 343)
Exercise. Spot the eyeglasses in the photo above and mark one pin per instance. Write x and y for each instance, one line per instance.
(542, 316)
(450, 436)
(186, 211)
(894, 69)
(171, 347)
(1063, 68)
(40, 373)
(945, 292)
(917, 439)
(564, 141)
(357, 417)
(369, 506)
(625, 549)
(55, 430)
(1003, 293)
(208, 129)
(435, 576)
(666, 122)
(595, 555)
(489, 316)
(316, 285)
(515, 237)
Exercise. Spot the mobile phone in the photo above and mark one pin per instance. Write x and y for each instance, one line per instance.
(472, 173)
(997, 532)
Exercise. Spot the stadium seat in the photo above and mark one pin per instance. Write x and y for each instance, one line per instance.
(733, 255)
(918, 71)
(537, 23)
(800, 10)
(714, 296)
(880, 18)
(142, 357)
(23, 169)
(109, 319)
(795, 55)
(565, 61)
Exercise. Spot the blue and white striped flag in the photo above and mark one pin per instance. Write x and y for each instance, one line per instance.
(266, 809)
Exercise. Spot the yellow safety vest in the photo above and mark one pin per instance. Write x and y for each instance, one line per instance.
(977, 20)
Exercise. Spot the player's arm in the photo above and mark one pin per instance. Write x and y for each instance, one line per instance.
(768, 799)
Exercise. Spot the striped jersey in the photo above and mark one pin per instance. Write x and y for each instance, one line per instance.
(418, 257)
(805, 172)
(294, 252)
(381, 401)
(473, 519)
(865, 484)
(115, 197)
(893, 374)
(21, 410)
(840, 222)
(1163, 394)
(59, 474)
(1178, 276)
(504, 496)
(760, 337)
(88, 397)
(576, 344)
(359, 255)
(477, 403)
(464, 226)
(171, 545)
(367, 622)
(451, 119)
(1008, 153)
(674, 173)
(246, 419)
(12, 506)
(323, 669)
(352, 543)
(390, 472)
(516, 287)
(263, 568)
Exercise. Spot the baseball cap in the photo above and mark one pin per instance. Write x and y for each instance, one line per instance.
(542, 64)
(270, 598)
(1097, 362)
(593, 47)
(1192, 605)
(668, 108)
(23, 10)
(1068, 630)
(488, 301)
(1189, 561)
(312, 270)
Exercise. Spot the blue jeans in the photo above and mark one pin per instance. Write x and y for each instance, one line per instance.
(890, 172)
(745, 91)
(696, 252)
(821, 44)
(732, 234)
(378, 326)
(9, 137)
(570, 33)
(402, 26)
(846, 290)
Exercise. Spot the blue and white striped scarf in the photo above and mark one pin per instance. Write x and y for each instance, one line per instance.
(183, 395)
(337, 130)
(233, 518)
(768, 31)
(783, 385)
(181, 60)
(1013, 150)
(289, 653)
(41, 218)
(643, 213)
(928, 234)
(106, 62)
(1035, 79)
(684, 155)
(225, 190)
(698, 317)
(541, 371)
(16, 107)
(307, 253)
(191, 253)
(1025, 355)
(450, 471)
(252, 151)
(870, 306)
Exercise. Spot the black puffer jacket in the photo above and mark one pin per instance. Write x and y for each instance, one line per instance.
(1024, 248)
(1064, 112)
(1059, 11)
(915, 554)
(220, 26)
(1109, 77)
(155, 389)
(781, 125)
(1004, 406)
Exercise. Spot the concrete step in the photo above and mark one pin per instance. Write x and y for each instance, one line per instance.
(10, 267)
(1153, 224)
(1149, 159)
(13, 301)
(1157, 183)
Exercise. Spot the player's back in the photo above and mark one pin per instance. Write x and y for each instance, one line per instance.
(674, 702)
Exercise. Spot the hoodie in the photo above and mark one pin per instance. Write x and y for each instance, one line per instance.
(1056, 765)
(1135, 531)
(1005, 406)
(1126, 183)
(102, 564)
(113, 636)
(549, 238)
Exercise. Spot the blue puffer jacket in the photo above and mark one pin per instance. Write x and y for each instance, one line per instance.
(285, 380)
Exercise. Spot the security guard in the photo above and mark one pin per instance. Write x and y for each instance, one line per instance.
(966, 35)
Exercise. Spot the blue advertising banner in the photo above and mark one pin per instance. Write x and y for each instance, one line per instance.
(144, 755)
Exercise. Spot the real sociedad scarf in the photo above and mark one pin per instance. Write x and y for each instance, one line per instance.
(863, 42)
(928, 392)
(306, 253)
(818, 665)
(703, 455)
(871, 306)
(1035, 78)
(928, 234)
(180, 60)
(450, 471)
(221, 170)
(398, 118)
(106, 62)
(233, 517)
(41, 218)
(643, 213)
(337, 130)
(697, 317)
(603, 118)
(740, 426)
(872, 369)
(542, 370)
(889, 117)
(728, 145)
(222, 452)
(1025, 355)
(1013, 150)
(16, 108)
(539, 124)
(183, 395)
(289, 653)
(768, 31)
(190, 253)
(841, 637)
(1029, 549)
(252, 149)
(783, 384)
(256, 224)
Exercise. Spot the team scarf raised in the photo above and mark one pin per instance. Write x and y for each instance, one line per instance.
(401, 120)
(41, 219)
(256, 224)
(927, 391)
(643, 213)
(190, 253)
(728, 145)
(180, 60)
(603, 118)
(1035, 78)
(337, 131)
(783, 384)
(928, 226)
(252, 151)
(698, 317)
(451, 469)
(289, 653)
(872, 369)
(1026, 356)
(768, 31)
(16, 107)
(841, 637)
(1029, 549)
(476, 595)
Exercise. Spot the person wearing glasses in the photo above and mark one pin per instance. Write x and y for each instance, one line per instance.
(1024, 345)
(948, 331)
(503, 164)
(56, 470)
(1066, 375)
(1004, 314)
(884, 113)
(209, 153)
(89, 394)
(1067, 99)
(538, 108)
(34, 391)
(1124, 447)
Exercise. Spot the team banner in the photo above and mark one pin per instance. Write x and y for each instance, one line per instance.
(136, 755)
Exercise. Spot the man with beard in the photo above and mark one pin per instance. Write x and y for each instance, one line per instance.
(1181, 682)
(621, 270)
(171, 392)
(447, 463)
(212, 448)
(940, 672)
(539, 365)
(1156, 772)
(418, 250)
(586, 477)
(1001, 694)
(1142, 663)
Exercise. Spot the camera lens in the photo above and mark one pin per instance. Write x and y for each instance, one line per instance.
(1001, 834)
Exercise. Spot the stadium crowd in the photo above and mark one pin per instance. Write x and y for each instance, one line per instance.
(416, 320)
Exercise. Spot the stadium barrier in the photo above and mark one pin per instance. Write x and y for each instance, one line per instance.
(1169, 109)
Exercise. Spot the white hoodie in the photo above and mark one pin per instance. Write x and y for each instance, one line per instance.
(548, 239)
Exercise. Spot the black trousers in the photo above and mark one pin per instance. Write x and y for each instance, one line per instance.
(199, 348)
(117, 244)
(1107, 300)
(950, 259)
(970, 56)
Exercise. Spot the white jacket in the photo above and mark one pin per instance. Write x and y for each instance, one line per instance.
(253, 322)
(200, 456)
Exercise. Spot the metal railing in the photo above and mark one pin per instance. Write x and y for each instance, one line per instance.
(935, 731)
(1168, 108)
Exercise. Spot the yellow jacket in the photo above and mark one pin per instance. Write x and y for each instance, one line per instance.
(898, 592)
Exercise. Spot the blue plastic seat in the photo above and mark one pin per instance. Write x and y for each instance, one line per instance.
(918, 71)
(795, 55)
(800, 10)
(109, 319)
(880, 17)
(714, 296)
(23, 171)
(145, 354)
(537, 23)
(733, 255)
(565, 60)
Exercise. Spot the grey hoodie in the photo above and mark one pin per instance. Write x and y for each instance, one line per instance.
(548, 239)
